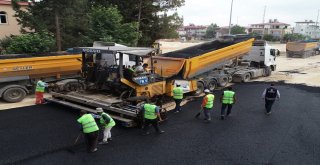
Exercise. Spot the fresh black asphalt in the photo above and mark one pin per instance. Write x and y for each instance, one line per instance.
(44, 134)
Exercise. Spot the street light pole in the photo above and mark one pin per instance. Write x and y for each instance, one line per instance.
(230, 17)
(317, 17)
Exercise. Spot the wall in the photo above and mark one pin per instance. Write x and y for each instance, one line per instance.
(11, 27)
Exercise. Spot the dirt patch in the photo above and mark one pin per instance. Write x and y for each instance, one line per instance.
(296, 71)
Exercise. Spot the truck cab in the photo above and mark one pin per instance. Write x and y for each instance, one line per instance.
(262, 55)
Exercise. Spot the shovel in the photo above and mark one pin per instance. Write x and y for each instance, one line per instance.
(198, 114)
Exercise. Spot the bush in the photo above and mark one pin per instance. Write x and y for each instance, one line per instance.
(31, 43)
(269, 37)
(294, 37)
(4, 44)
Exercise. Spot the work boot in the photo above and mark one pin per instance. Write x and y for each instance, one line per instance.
(160, 132)
(94, 150)
(103, 142)
(146, 133)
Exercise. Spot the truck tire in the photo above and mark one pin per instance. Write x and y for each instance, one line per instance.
(246, 77)
(13, 95)
(212, 84)
(127, 94)
(200, 89)
(267, 71)
(223, 81)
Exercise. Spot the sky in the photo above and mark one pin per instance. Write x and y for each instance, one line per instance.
(245, 12)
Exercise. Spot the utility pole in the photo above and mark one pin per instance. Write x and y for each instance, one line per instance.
(264, 13)
(58, 30)
(230, 17)
(317, 17)
(139, 19)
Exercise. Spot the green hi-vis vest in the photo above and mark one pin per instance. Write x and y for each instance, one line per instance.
(150, 111)
(88, 123)
(40, 86)
(228, 97)
(177, 93)
(210, 101)
(110, 124)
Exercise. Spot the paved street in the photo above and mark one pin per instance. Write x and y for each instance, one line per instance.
(44, 134)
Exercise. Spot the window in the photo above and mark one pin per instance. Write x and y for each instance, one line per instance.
(3, 17)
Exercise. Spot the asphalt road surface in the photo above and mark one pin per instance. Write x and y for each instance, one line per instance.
(290, 135)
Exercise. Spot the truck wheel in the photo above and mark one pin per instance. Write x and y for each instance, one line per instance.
(212, 85)
(223, 81)
(246, 77)
(13, 95)
(200, 89)
(126, 94)
(267, 71)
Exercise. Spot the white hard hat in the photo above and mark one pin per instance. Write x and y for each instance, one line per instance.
(99, 109)
(206, 91)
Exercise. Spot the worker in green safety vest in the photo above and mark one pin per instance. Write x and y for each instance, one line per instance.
(90, 130)
(40, 88)
(227, 99)
(207, 105)
(151, 114)
(177, 97)
(107, 123)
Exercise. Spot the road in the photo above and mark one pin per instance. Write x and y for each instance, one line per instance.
(290, 135)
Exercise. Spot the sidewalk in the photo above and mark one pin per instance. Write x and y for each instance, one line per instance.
(28, 101)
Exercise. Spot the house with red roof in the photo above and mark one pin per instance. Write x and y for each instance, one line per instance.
(273, 27)
(193, 31)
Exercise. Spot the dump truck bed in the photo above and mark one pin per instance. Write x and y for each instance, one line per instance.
(301, 49)
(301, 46)
(196, 60)
(44, 66)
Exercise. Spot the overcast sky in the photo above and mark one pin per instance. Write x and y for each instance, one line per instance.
(245, 12)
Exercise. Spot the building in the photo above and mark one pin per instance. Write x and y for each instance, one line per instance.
(8, 23)
(192, 31)
(224, 30)
(273, 27)
(307, 28)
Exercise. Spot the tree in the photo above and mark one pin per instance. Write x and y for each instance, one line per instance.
(31, 43)
(68, 20)
(65, 19)
(238, 30)
(154, 20)
(211, 31)
(268, 37)
(294, 37)
(106, 24)
(4, 44)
